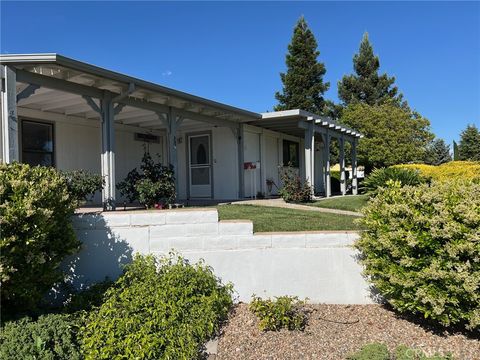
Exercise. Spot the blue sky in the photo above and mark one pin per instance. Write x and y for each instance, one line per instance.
(233, 52)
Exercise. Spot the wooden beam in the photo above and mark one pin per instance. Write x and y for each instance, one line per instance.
(9, 123)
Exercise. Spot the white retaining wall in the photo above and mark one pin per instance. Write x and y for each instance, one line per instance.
(319, 265)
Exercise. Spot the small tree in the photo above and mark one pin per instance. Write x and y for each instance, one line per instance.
(438, 152)
(303, 85)
(469, 147)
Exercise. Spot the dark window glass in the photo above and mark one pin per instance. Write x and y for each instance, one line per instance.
(291, 153)
(199, 151)
(37, 143)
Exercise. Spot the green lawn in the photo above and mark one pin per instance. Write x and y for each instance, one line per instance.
(349, 202)
(266, 219)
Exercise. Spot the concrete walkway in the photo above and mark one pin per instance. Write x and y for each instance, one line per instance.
(282, 204)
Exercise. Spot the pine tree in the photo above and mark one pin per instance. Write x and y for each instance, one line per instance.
(456, 155)
(366, 85)
(469, 147)
(438, 152)
(303, 85)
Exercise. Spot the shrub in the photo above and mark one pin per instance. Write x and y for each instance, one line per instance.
(467, 170)
(283, 312)
(88, 298)
(163, 309)
(378, 178)
(82, 185)
(153, 185)
(51, 337)
(36, 233)
(293, 189)
(378, 351)
(421, 250)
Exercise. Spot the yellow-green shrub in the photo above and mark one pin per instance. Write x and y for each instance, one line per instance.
(421, 249)
(468, 170)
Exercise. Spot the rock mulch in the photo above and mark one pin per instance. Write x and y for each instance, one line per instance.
(333, 332)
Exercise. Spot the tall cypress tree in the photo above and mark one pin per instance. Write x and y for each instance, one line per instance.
(303, 85)
(366, 85)
(469, 147)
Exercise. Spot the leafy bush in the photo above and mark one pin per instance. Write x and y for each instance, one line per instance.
(82, 185)
(421, 250)
(36, 233)
(378, 351)
(88, 298)
(51, 337)
(162, 309)
(153, 185)
(378, 178)
(283, 312)
(468, 170)
(293, 189)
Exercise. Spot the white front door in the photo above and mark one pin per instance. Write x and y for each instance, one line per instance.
(200, 166)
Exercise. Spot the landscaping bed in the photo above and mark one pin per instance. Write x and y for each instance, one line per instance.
(275, 219)
(334, 332)
(349, 202)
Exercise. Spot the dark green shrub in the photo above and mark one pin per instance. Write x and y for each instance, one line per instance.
(378, 178)
(82, 185)
(88, 298)
(421, 250)
(51, 337)
(36, 233)
(293, 189)
(154, 184)
(163, 309)
(375, 351)
(283, 312)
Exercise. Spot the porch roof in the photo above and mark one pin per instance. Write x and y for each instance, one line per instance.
(61, 85)
(293, 122)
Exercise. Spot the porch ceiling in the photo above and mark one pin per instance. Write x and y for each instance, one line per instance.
(141, 107)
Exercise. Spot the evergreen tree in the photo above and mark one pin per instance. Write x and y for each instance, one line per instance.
(303, 85)
(469, 147)
(456, 155)
(438, 152)
(366, 85)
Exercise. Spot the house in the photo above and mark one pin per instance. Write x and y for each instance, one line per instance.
(69, 114)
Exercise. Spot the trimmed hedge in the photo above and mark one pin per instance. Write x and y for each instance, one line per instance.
(163, 309)
(421, 250)
(36, 233)
(466, 170)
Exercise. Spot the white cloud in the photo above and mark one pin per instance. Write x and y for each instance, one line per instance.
(167, 73)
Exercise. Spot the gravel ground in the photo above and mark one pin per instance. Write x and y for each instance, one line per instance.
(333, 332)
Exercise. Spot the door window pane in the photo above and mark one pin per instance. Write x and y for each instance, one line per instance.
(199, 151)
(201, 176)
(37, 143)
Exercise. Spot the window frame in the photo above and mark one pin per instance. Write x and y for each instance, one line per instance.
(286, 150)
(42, 122)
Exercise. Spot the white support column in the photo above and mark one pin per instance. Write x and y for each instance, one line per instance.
(354, 168)
(9, 124)
(343, 180)
(241, 160)
(172, 143)
(108, 152)
(309, 142)
(328, 183)
(263, 162)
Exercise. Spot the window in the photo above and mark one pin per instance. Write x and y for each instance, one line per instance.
(37, 143)
(291, 153)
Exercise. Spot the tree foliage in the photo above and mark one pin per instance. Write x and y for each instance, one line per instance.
(366, 85)
(392, 135)
(303, 85)
(438, 152)
(469, 147)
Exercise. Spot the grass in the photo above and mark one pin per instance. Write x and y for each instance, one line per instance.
(268, 219)
(349, 202)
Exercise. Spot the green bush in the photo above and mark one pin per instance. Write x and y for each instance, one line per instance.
(51, 337)
(283, 312)
(378, 178)
(163, 309)
(293, 189)
(82, 185)
(421, 250)
(36, 233)
(87, 299)
(154, 184)
(378, 351)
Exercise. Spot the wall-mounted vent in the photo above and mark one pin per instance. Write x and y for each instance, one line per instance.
(149, 138)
